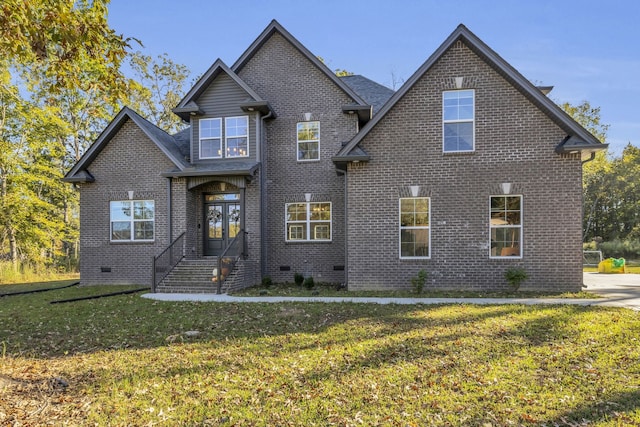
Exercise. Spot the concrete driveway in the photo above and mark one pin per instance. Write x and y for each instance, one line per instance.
(620, 290)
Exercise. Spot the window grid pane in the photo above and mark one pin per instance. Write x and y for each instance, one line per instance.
(458, 120)
(308, 221)
(505, 223)
(308, 140)
(414, 227)
(237, 133)
(132, 220)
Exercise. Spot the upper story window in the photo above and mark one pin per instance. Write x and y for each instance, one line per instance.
(308, 221)
(458, 120)
(308, 137)
(235, 133)
(132, 220)
(505, 226)
(414, 227)
(237, 136)
(210, 138)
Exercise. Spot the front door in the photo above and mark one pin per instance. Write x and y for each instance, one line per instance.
(222, 222)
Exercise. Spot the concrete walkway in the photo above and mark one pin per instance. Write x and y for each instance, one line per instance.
(615, 290)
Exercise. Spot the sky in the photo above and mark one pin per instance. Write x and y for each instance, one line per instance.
(588, 50)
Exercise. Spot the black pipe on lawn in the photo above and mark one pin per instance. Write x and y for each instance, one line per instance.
(8, 294)
(112, 294)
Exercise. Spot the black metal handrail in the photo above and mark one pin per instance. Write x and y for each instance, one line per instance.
(227, 262)
(167, 260)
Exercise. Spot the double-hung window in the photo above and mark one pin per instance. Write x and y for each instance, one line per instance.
(210, 138)
(235, 134)
(308, 141)
(505, 226)
(458, 120)
(132, 220)
(414, 227)
(308, 221)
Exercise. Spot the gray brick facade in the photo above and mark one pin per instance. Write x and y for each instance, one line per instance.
(130, 162)
(294, 86)
(366, 165)
(514, 143)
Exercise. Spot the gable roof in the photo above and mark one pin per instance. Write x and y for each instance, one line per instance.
(188, 105)
(165, 142)
(275, 27)
(579, 138)
(371, 92)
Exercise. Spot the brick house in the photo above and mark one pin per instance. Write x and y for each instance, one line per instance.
(468, 169)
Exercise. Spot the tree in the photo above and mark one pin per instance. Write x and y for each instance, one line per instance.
(60, 79)
(340, 72)
(594, 173)
(29, 177)
(158, 87)
(58, 38)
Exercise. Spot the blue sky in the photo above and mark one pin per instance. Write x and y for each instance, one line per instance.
(589, 50)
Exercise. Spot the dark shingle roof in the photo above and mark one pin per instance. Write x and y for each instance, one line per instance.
(183, 141)
(371, 92)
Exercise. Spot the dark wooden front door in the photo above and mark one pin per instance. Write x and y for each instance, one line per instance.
(222, 221)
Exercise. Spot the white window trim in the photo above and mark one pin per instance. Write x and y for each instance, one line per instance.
(473, 123)
(298, 141)
(200, 138)
(307, 223)
(519, 226)
(226, 137)
(298, 227)
(132, 221)
(422, 227)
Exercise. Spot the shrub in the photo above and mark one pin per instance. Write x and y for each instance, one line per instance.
(515, 276)
(267, 282)
(308, 282)
(418, 281)
(298, 279)
(628, 248)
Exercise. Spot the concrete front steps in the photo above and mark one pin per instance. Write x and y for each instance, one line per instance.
(191, 276)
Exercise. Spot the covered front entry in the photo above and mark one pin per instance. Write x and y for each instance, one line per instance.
(222, 222)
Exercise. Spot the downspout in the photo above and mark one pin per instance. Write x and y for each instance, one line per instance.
(263, 199)
(346, 228)
(593, 156)
(582, 163)
(169, 209)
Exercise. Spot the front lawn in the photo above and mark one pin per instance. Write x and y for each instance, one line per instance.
(125, 360)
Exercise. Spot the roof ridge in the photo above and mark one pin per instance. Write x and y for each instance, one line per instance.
(273, 27)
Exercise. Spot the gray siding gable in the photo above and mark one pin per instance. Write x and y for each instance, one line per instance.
(223, 97)
(190, 103)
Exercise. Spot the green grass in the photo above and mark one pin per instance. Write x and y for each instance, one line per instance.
(128, 361)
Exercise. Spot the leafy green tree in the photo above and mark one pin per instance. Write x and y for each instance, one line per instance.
(58, 38)
(29, 177)
(60, 80)
(157, 88)
(595, 174)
